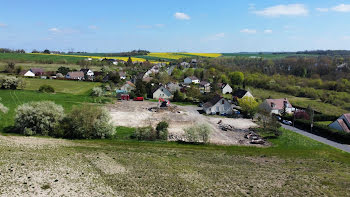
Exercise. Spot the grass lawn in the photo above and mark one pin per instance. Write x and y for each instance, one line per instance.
(325, 123)
(12, 98)
(325, 108)
(62, 86)
(293, 166)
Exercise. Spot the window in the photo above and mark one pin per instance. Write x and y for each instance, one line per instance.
(223, 101)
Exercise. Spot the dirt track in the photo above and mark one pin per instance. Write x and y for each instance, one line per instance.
(137, 114)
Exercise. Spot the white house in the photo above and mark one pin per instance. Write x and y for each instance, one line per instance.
(29, 74)
(162, 92)
(277, 106)
(87, 72)
(225, 88)
(204, 87)
(185, 64)
(240, 93)
(192, 79)
(218, 105)
(128, 86)
(342, 123)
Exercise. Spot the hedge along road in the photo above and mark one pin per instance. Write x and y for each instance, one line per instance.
(342, 147)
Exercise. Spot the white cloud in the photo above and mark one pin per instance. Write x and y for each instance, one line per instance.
(322, 9)
(54, 30)
(284, 10)
(248, 31)
(92, 27)
(3, 25)
(181, 16)
(341, 8)
(268, 31)
(346, 37)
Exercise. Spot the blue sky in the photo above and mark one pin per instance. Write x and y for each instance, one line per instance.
(172, 26)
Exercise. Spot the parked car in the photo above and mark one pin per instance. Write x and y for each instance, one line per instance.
(138, 99)
(287, 122)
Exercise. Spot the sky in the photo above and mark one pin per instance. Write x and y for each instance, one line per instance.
(175, 26)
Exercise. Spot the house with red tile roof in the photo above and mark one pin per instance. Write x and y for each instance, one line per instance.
(342, 123)
(277, 106)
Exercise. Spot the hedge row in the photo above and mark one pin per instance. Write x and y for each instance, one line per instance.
(324, 131)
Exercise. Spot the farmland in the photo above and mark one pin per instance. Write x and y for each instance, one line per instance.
(294, 166)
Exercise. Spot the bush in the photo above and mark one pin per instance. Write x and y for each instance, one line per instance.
(40, 117)
(145, 133)
(198, 133)
(46, 89)
(162, 130)
(28, 132)
(97, 92)
(8, 82)
(87, 122)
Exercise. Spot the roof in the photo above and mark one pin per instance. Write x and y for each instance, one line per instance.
(163, 89)
(76, 74)
(203, 83)
(37, 70)
(130, 83)
(279, 103)
(23, 72)
(213, 101)
(347, 117)
(239, 93)
(343, 125)
(85, 70)
(193, 78)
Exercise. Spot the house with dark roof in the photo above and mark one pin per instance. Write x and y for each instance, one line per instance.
(163, 93)
(204, 87)
(173, 87)
(240, 93)
(342, 123)
(191, 79)
(218, 105)
(225, 88)
(87, 72)
(37, 71)
(277, 106)
(76, 75)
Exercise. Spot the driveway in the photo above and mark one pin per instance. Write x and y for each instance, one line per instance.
(337, 145)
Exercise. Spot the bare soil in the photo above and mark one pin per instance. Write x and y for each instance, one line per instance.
(138, 114)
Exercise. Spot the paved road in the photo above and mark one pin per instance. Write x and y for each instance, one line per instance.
(343, 147)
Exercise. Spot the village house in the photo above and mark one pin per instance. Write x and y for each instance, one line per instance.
(33, 72)
(122, 75)
(218, 105)
(191, 79)
(277, 106)
(342, 123)
(184, 65)
(173, 87)
(240, 93)
(163, 93)
(225, 88)
(128, 87)
(204, 87)
(87, 72)
(77, 75)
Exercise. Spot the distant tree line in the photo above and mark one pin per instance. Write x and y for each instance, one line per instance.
(5, 50)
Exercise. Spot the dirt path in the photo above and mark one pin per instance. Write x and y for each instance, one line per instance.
(137, 114)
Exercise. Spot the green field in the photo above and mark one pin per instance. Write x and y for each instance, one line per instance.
(28, 57)
(293, 166)
(318, 105)
(264, 55)
(62, 86)
(12, 98)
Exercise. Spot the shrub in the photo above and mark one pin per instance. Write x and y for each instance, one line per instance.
(87, 122)
(162, 130)
(3, 108)
(145, 133)
(198, 133)
(97, 92)
(28, 132)
(9, 82)
(41, 117)
(46, 89)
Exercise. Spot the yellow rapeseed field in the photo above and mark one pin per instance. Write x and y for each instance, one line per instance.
(205, 54)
